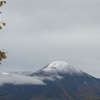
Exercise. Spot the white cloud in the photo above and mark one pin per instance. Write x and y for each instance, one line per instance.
(20, 79)
(24, 79)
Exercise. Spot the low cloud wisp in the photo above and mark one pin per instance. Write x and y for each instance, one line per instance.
(20, 80)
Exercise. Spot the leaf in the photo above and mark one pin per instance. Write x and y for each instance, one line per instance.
(0, 58)
(1, 3)
(4, 24)
(4, 2)
(2, 55)
(0, 27)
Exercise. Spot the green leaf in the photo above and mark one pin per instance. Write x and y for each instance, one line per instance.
(4, 24)
(0, 58)
(4, 2)
(0, 27)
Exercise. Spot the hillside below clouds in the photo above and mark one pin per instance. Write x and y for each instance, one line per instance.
(56, 81)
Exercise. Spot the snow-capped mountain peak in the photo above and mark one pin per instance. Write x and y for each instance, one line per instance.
(56, 65)
(60, 66)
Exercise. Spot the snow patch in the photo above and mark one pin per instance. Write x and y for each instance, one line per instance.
(60, 66)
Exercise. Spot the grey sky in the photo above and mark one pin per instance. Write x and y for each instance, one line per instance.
(41, 31)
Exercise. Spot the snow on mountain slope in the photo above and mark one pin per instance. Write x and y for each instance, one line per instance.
(60, 67)
(56, 70)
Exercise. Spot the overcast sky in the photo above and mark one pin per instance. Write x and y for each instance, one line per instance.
(41, 31)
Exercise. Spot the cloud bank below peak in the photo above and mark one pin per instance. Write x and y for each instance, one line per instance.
(20, 80)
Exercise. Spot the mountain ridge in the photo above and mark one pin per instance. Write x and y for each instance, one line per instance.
(71, 84)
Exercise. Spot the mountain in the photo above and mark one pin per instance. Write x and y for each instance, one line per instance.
(58, 67)
(56, 81)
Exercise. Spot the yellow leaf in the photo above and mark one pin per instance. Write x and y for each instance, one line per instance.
(1, 3)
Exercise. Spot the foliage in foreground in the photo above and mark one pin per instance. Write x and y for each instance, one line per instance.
(2, 53)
